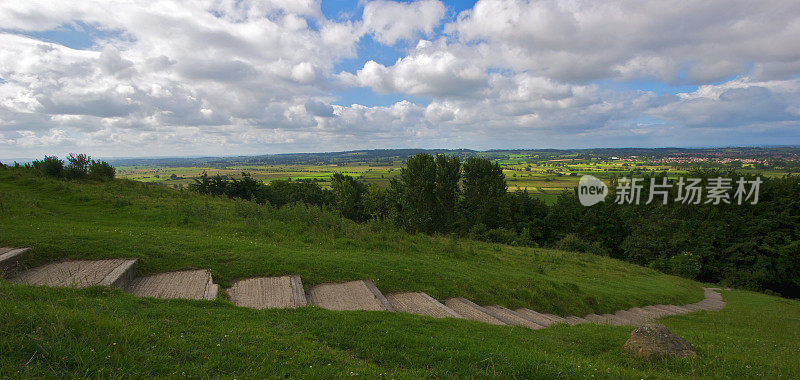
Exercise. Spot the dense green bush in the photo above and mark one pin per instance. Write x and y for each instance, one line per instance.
(77, 166)
(101, 170)
(50, 166)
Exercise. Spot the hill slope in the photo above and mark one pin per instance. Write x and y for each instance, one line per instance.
(170, 230)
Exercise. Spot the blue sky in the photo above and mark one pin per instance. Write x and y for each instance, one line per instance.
(165, 77)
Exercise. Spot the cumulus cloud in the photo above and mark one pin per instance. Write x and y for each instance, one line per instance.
(737, 103)
(693, 41)
(248, 76)
(391, 21)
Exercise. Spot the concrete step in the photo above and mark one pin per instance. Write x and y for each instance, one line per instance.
(555, 318)
(597, 319)
(616, 320)
(80, 273)
(422, 304)
(712, 305)
(632, 317)
(646, 315)
(535, 316)
(679, 310)
(470, 310)
(657, 313)
(510, 317)
(573, 320)
(693, 307)
(353, 295)
(10, 260)
(268, 292)
(188, 284)
(667, 309)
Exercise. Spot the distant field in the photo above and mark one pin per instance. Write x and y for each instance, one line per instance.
(543, 179)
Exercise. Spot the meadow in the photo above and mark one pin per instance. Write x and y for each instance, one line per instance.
(102, 332)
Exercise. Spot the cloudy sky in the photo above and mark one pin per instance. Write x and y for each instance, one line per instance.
(227, 77)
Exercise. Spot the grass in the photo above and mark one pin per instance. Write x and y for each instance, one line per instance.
(99, 332)
(171, 230)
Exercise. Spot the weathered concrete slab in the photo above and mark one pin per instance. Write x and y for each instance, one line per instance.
(646, 315)
(189, 284)
(535, 316)
(422, 304)
(377, 293)
(353, 295)
(635, 318)
(298, 292)
(597, 319)
(667, 309)
(555, 318)
(121, 276)
(573, 320)
(693, 307)
(679, 310)
(712, 305)
(617, 320)
(512, 318)
(657, 313)
(470, 310)
(10, 260)
(79, 273)
(712, 293)
(267, 293)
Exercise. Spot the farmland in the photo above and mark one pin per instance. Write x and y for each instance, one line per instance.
(544, 174)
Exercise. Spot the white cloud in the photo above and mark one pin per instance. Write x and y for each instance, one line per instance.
(391, 21)
(427, 70)
(247, 76)
(737, 103)
(694, 41)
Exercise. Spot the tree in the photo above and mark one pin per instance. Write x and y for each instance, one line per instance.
(347, 195)
(78, 166)
(448, 174)
(484, 188)
(101, 170)
(50, 166)
(374, 202)
(417, 194)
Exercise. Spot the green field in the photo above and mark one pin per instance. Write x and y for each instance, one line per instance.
(99, 332)
(543, 178)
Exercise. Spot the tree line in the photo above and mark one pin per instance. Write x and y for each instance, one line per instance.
(77, 167)
(748, 246)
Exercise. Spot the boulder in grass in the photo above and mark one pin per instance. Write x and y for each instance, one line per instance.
(657, 342)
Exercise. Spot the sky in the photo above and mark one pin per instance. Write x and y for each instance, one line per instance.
(238, 77)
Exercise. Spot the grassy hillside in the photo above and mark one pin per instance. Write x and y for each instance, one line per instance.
(170, 230)
(99, 332)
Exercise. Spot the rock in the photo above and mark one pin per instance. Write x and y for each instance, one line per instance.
(657, 342)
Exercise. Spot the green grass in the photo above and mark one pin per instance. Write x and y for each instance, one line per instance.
(172, 230)
(99, 332)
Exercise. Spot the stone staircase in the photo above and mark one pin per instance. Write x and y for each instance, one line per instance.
(288, 292)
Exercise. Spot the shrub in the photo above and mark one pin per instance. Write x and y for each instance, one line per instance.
(50, 166)
(572, 242)
(101, 170)
(78, 166)
(685, 265)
